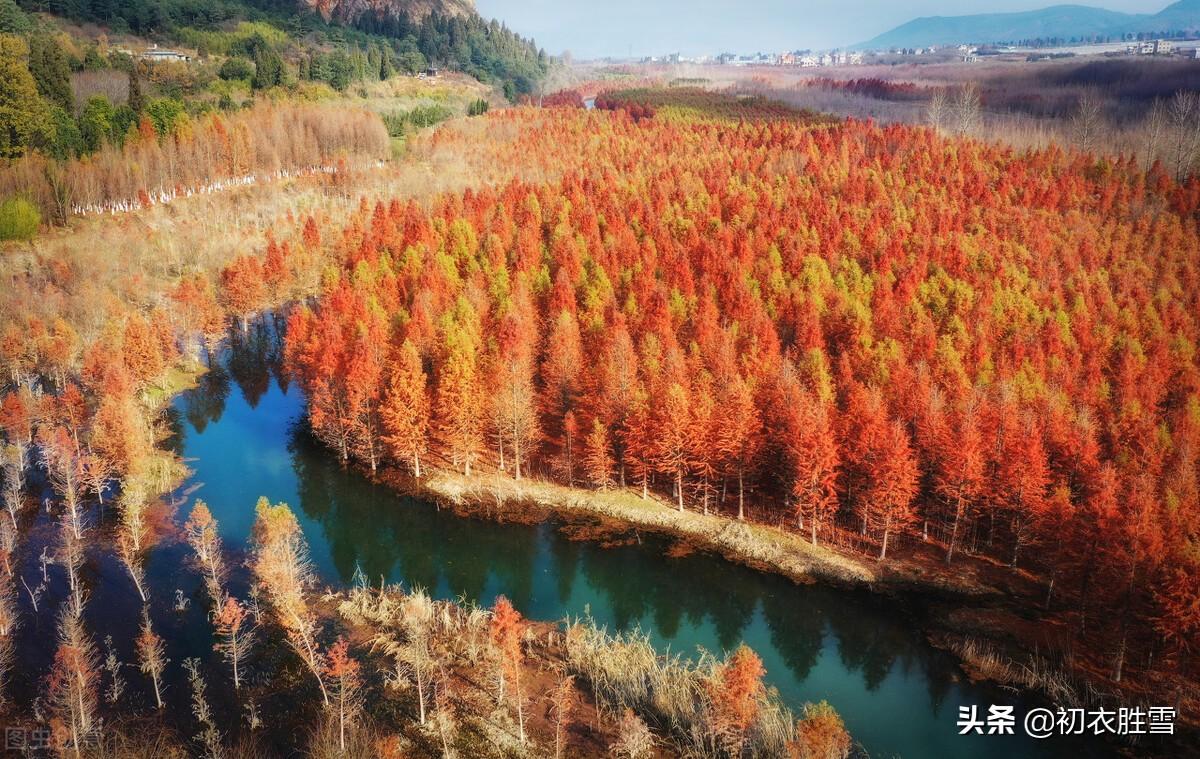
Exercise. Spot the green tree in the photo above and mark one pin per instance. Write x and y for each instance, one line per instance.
(92, 60)
(167, 114)
(24, 116)
(96, 122)
(12, 19)
(236, 68)
(51, 72)
(19, 219)
(124, 119)
(387, 64)
(340, 71)
(268, 66)
(68, 141)
(136, 102)
(412, 61)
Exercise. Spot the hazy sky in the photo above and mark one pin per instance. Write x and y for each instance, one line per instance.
(596, 28)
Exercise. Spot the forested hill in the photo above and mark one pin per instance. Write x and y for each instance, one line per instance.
(446, 33)
(1058, 22)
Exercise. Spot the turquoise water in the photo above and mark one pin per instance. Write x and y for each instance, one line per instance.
(242, 434)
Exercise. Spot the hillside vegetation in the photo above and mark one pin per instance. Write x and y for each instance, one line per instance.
(91, 126)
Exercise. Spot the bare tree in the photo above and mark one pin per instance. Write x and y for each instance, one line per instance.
(1088, 121)
(132, 561)
(283, 570)
(74, 678)
(13, 465)
(1183, 110)
(562, 702)
(345, 683)
(235, 633)
(203, 537)
(412, 653)
(208, 736)
(152, 656)
(937, 113)
(967, 108)
(112, 665)
(445, 717)
(1155, 130)
(9, 621)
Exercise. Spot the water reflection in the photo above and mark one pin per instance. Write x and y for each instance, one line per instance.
(861, 652)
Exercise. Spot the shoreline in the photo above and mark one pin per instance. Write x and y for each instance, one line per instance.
(943, 610)
(937, 602)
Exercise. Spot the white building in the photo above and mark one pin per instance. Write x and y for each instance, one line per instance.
(156, 54)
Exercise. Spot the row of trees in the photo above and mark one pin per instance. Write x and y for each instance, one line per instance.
(870, 332)
(203, 155)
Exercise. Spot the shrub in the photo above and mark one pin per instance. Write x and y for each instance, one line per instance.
(19, 219)
(236, 68)
(477, 107)
(400, 123)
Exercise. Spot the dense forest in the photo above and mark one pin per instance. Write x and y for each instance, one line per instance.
(70, 97)
(880, 336)
(454, 38)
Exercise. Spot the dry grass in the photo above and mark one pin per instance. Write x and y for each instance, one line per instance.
(618, 676)
(89, 269)
(1053, 677)
(760, 546)
(671, 693)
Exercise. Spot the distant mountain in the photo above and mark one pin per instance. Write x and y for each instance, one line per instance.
(1183, 15)
(1064, 21)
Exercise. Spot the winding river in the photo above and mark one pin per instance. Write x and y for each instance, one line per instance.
(242, 434)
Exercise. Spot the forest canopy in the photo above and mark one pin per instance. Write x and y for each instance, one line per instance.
(873, 333)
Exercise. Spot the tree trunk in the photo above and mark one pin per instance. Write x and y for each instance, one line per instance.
(679, 487)
(237, 680)
(520, 709)
(157, 692)
(954, 531)
(741, 496)
(342, 723)
(420, 694)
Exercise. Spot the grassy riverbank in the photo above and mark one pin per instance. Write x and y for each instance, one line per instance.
(965, 611)
(759, 546)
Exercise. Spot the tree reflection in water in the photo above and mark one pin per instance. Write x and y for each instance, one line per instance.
(862, 652)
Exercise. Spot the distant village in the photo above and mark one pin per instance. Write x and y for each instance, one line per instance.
(811, 59)
(963, 53)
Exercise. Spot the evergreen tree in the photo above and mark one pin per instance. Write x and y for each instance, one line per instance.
(136, 102)
(268, 66)
(24, 116)
(96, 122)
(68, 141)
(51, 72)
(12, 19)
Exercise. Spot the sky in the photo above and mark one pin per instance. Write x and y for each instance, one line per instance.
(598, 28)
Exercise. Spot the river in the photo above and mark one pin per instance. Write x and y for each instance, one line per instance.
(241, 431)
